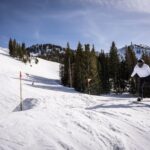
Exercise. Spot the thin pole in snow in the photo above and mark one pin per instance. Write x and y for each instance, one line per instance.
(20, 91)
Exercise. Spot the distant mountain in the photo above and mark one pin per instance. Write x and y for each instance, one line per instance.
(138, 49)
(47, 51)
(56, 53)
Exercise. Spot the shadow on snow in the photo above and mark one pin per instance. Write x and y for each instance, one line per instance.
(46, 83)
(28, 103)
(129, 105)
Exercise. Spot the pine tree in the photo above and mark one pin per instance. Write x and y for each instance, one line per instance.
(78, 72)
(130, 61)
(25, 56)
(19, 51)
(66, 69)
(10, 46)
(146, 58)
(91, 79)
(95, 83)
(23, 47)
(14, 47)
(86, 67)
(104, 72)
(113, 64)
(122, 76)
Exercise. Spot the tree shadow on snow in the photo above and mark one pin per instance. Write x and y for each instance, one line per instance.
(46, 83)
(54, 88)
(129, 105)
(28, 103)
(4, 54)
(38, 79)
(43, 80)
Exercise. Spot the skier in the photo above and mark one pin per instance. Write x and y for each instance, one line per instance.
(143, 72)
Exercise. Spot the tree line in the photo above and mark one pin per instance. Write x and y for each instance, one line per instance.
(49, 52)
(18, 50)
(97, 73)
(89, 71)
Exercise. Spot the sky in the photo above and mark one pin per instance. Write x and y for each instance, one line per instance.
(97, 22)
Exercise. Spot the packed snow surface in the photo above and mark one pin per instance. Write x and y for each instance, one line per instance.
(59, 118)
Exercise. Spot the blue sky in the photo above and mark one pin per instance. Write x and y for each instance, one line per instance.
(97, 22)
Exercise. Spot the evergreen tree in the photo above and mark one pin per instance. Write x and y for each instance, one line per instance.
(18, 50)
(89, 72)
(130, 61)
(113, 64)
(95, 83)
(23, 47)
(66, 69)
(78, 72)
(86, 67)
(146, 58)
(93, 48)
(122, 76)
(104, 72)
(14, 47)
(25, 55)
(10, 46)
(146, 87)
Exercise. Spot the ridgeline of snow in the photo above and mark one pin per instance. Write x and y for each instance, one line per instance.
(58, 118)
(138, 49)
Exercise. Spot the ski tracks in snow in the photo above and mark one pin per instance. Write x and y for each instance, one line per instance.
(104, 123)
(59, 118)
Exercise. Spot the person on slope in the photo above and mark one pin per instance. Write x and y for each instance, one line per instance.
(143, 72)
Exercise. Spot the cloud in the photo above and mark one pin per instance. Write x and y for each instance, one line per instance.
(95, 21)
(124, 5)
(65, 15)
(136, 5)
(102, 27)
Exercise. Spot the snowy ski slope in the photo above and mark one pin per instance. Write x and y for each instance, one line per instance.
(58, 118)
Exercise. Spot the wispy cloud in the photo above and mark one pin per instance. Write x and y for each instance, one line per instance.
(65, 15)
(91, 21)
(124, 5)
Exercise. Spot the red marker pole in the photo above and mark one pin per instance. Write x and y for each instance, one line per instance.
(20, 91)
